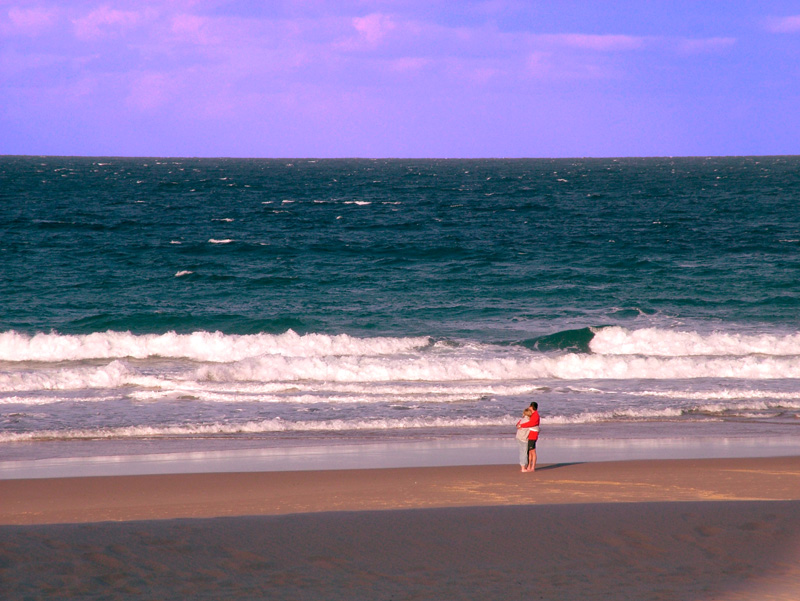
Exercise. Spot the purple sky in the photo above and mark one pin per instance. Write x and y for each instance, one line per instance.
(399, 78)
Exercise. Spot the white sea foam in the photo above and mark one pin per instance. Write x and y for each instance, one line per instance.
(668, 343)
(725, 395)
(114, 375)
(322, 370)
(198, 346)
(370, 370)
(458, 367)
(616, 414)
(278, 425)
(257, 427)
(45, 400)
(244, 386)
(746, 406)
(223, 241)
(306, 393)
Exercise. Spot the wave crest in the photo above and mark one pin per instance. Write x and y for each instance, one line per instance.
(198, 346)
(616, 340)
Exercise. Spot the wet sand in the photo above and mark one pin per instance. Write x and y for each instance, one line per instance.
(721, 529)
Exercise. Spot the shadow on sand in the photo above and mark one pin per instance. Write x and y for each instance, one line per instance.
(555, 466)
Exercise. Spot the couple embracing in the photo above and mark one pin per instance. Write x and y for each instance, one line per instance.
(527, 435)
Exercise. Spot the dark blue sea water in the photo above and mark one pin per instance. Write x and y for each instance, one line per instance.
(280, 301)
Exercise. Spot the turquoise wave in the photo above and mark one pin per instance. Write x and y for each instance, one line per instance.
(568, 340)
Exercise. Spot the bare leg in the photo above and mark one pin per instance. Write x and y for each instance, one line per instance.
(531, 460)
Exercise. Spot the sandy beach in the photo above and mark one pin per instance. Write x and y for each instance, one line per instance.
(708, 529)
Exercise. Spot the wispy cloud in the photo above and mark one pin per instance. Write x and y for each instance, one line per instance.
(173, 48)
(597, 43)
(790, 24)
(193, 29)
(703, 46)
(286, 64)
(105, 21)
(373, 28)
(28, 21)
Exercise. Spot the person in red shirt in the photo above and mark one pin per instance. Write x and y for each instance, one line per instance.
(533, 435)
(522, 439)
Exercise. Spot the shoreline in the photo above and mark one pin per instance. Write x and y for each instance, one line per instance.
(176, 456)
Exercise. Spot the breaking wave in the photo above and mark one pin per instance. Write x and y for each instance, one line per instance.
(198, 346)
(668, 343)
(369, 370)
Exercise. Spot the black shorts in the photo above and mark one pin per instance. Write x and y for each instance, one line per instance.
(531, 445)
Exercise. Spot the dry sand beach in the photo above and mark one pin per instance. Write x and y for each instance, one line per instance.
(706, 529)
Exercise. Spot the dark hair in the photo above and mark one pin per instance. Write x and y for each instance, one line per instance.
(535, 405)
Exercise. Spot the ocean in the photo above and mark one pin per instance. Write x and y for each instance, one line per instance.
(163, 305)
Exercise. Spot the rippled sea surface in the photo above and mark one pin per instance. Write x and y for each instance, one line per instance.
(284, 302)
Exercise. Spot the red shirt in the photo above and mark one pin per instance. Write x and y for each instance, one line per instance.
(533, 422)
